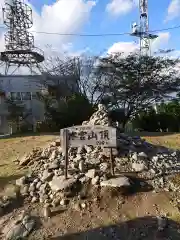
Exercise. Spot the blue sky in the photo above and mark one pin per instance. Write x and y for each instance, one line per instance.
(162, 14)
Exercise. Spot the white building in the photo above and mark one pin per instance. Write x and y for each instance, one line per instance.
(25, 88)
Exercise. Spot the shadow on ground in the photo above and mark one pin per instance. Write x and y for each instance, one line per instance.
(151, 134)
(144, 228)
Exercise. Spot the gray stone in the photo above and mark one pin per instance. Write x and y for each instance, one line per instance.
(138, 167)
(47, 176)
(54, 165)
(83, 205)
(29, 225)
(83, 179)
(24, 190)
(142, 155)
(38, 185)
(91, 173)
(32, 187)
(95, 180)
(162, 223)
(36, 180)
(60, 183)
(24, 160)
(134, 156)
(31, 193)
(53, 155)
(18, 230)
(81, 166)
(21, 181)
(34, 199)
(56, 202)
(63, 202)
(116, 182)
(43, 188)
(103, 166)
(15, 232)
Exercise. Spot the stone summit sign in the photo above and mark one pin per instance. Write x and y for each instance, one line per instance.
(92, 135)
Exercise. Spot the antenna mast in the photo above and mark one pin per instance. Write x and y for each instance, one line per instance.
(19, 42)
(142, 31)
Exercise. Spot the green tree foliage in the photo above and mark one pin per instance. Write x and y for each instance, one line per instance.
(68, 111)
(134, 83)
(167, 118)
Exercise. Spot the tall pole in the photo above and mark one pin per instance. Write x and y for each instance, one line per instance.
(141, 31)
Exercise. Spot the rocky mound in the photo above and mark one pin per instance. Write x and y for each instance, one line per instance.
(89, 164)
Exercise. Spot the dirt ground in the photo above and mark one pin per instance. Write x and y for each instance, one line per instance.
(123, 218)
(15, 147)
(112, 217)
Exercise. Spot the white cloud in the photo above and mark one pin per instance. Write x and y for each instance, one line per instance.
(121, 7)
(173, 10)
(126, 47)
(60, 17)
(160, 42)
(129, 47)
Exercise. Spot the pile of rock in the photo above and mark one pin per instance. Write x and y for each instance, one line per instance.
(91, 164)
(100, 117)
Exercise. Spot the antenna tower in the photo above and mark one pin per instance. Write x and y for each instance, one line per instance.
(142, 30)
(19, 42)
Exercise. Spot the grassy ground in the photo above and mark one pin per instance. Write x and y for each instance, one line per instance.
(16, 146)
(167, 140)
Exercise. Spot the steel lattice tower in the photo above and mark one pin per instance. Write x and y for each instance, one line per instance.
(142, 30)
(19, 42)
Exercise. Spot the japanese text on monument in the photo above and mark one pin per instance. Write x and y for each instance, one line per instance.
(92, 135)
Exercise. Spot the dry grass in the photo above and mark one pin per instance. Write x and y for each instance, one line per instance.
(167, 140)
(14, 148)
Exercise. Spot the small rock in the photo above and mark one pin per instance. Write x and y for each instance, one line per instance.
(29, 225)
(60, 183)
(103, 166)
(55, 202)
(53, 165)
(24, 160)
(138, 167)
(134, 156)
(24, 190)
(47, 176)
(142, 155)
(81, 166)
(47, 211)
(116, 182)
(63, 202)
(38, 185)
(36, 180)
(91, 173)
(34, 199)
(83, 205)
(162, 223)
(21, 181)
(18, 230)
(95, 180)
(32, 187)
